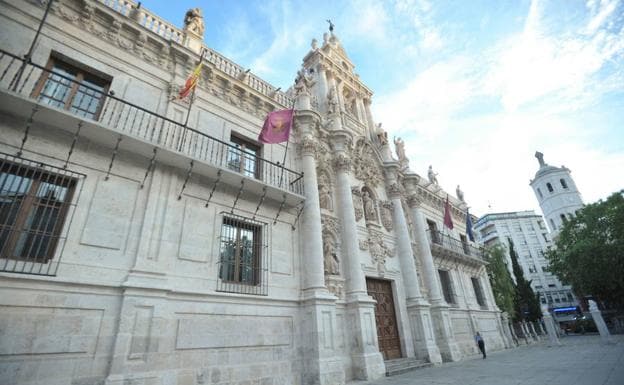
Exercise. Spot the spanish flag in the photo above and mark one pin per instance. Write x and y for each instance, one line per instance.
(191, 82)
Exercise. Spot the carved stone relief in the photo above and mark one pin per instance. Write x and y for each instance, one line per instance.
(357, 203)
(386, 215)
(366, 166)
(370, 211)
(378, 250)
(325, 194)
(331, 261)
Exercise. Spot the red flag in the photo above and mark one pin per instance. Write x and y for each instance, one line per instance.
(276, 128)
(448, 221)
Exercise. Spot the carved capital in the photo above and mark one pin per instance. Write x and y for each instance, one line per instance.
(394, 191)
(414, 201)
(308, 146)
(342, 162)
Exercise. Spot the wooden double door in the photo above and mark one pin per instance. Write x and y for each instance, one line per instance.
(385, 317)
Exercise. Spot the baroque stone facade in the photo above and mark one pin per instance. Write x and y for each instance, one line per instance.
(140, 249)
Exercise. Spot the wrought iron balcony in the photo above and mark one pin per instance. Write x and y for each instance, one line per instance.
(20, 77)
(444, 244)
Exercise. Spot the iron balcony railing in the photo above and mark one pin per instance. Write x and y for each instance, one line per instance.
(22, 77)
(456, 245)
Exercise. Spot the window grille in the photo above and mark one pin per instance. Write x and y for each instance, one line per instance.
(243, 260)
(36, 200)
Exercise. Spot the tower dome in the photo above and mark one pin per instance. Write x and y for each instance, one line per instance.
(556, 193)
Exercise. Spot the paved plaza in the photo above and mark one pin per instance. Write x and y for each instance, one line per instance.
(581, 360)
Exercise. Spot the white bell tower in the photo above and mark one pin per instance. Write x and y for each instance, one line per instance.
(556, 193)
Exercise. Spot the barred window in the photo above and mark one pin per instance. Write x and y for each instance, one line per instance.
(34, 203)
(447, 286)
(478, 292)
(242, 268)
(68, 87)
(243, 157)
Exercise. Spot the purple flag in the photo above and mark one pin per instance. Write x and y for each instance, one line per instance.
(276, 128)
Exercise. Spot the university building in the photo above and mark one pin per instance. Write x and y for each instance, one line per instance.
(152, 240)
(531, 240)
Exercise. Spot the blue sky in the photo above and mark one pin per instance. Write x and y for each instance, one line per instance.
(473, 87)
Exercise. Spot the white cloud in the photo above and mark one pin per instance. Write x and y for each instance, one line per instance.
(544, 78)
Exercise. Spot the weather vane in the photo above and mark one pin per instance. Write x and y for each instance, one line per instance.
(331, 25)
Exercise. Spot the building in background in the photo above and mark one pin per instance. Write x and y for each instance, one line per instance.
(146, 240)
(531, 240)
(556, 194)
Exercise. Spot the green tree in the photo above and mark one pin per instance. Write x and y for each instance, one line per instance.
(527, 301)
(502, 284)
(589, 252)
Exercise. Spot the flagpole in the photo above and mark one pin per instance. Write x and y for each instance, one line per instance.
(287, 143)
(188, 110)
(28, 55)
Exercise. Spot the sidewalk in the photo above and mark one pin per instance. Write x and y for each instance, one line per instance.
(581, 360)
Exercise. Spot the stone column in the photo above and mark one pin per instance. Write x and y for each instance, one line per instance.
(321, 364)
(322, 88)
(504, 317)
(369, 115)
(553, 339)
(533, 332)
(366, 360)
(540, 323)
(600, 324)
(439, 308)
(311, 229)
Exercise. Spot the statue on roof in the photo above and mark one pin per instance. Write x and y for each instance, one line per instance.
(459, 193)
(303, 83)
(540, 158)
(399, 146)
(194, 21)
(381, 134)
(331, 26)
(433, 176)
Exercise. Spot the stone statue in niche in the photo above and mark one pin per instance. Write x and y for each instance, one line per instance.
(357, 203)
(332, 101)
(459, 193)
(369, 207)
(325, 199)
(194, 21)
(433, 176)
(330, 258)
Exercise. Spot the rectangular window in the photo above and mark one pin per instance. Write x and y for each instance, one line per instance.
(447, 286)
(71, 88)
(464, 242)
(242, 268)
(478, 292)
(244, 156)
(34, 203)
(433, 231)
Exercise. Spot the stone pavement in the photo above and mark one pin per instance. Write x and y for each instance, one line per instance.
(581, 360)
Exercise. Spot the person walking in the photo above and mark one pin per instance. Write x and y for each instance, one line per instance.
(480, 344)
